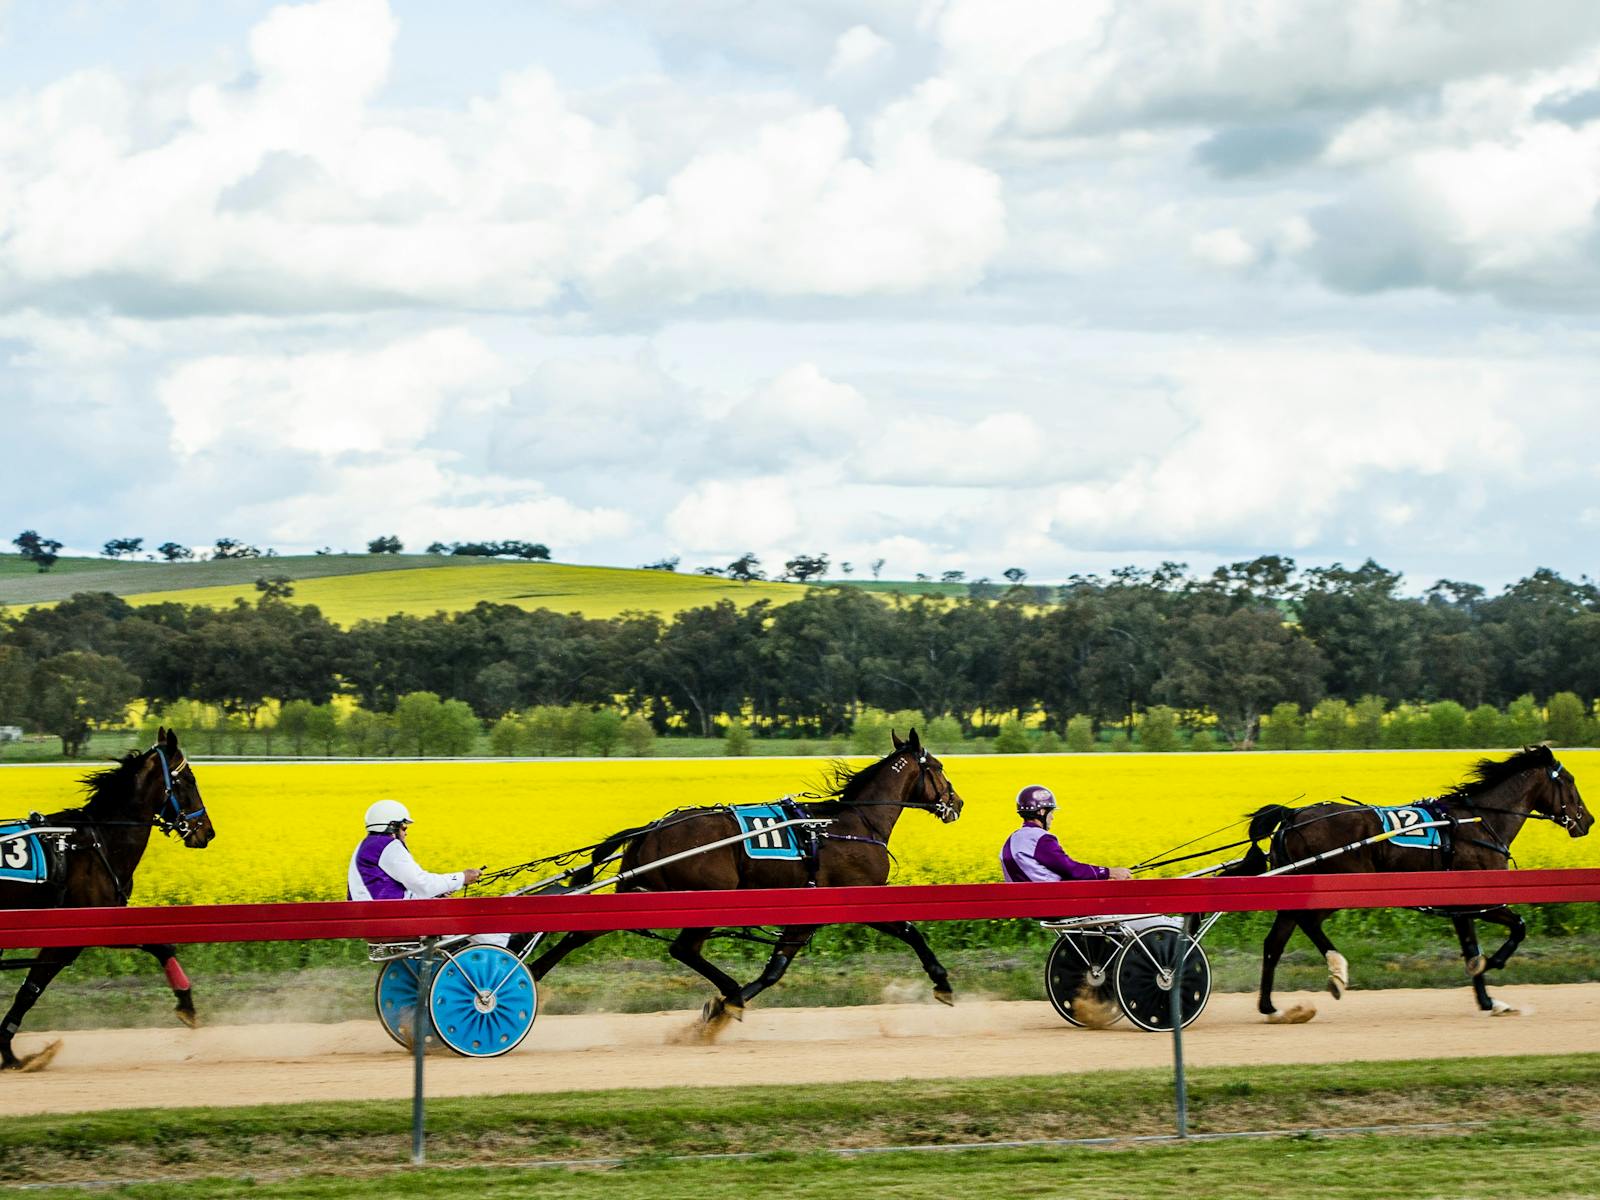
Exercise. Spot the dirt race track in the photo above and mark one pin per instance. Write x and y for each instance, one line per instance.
(230, 1065)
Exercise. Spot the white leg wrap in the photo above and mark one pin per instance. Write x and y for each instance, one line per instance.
(1338, 974)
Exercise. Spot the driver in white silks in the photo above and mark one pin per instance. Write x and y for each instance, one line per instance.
(382, 867)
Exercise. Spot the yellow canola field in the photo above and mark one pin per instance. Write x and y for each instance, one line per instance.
(286, 831)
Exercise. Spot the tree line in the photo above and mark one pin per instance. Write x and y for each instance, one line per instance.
(1220, 650)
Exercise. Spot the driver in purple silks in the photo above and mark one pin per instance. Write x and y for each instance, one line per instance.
(1032, 854)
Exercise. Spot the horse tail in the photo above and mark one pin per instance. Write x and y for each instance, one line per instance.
(1264, 823)
(1267, 819)
(584, 875)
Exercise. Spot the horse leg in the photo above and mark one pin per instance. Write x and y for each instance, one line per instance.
(1467, 934)
(540, 967)
(908, 933)
(1517, 930)
(167, 956)
(793, 940)
(1310, 924)
(50, 964)
(685, 948)
(1283, 926)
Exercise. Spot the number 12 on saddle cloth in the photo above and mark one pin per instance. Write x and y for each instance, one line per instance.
(1407, 818)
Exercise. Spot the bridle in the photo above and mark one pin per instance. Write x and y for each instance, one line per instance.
(941, 805)
(170, 817)
(1561, 817)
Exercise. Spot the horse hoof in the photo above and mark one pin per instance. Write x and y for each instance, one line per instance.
(186, 1015)
(1499, 1008)
(1338, 974)
(1477, 965)
(40, 1060)
(1298, 1015)
(945, 996)
(719, 1009)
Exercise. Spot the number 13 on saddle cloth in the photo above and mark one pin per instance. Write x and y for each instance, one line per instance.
(24, 857)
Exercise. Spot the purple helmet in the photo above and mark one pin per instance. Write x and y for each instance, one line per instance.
(1035, 801)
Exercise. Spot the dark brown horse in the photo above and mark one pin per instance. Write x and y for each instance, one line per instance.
(863, 807)
(1486, 812)
(153, 789)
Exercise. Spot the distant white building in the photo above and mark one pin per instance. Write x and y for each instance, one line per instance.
(10, 733)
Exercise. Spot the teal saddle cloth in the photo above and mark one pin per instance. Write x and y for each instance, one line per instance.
(22, 858)
(769, 844)
(1407, 817)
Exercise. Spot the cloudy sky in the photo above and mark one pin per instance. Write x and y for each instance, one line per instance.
(961, 284)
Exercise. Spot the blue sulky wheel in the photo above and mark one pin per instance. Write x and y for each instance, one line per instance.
(483, 1002)
(396, 999)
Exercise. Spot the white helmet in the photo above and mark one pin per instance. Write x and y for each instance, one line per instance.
(385, 813)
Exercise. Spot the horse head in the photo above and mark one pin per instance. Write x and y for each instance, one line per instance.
(932, 789)
(1556, 796)
(168, 793)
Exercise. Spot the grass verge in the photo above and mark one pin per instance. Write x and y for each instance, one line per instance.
(1543, 1140)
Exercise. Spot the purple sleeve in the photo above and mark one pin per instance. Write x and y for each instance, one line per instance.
(1048, 852)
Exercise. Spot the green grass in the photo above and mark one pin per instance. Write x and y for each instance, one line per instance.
(348, 588)
(1543, 1140)
(1505, 1163)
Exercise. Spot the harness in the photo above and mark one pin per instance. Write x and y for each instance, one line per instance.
(1441, 809)
(170, 818)
(808, 838)
(1498, 846)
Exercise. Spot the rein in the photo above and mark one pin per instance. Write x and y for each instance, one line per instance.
(1207, 853)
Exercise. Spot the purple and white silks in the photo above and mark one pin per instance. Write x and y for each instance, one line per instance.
(1032, 855)
(383, 869)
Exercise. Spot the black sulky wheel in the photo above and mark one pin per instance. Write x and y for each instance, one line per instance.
(1079, 969)
(1144, 978)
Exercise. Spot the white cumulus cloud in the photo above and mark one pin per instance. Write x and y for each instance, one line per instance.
(728, 517)
(330, 402)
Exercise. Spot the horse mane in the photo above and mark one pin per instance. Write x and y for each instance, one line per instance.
(109, 790)
(841, 787)
(1489, 773)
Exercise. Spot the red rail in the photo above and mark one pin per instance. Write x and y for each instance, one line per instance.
(384, 919)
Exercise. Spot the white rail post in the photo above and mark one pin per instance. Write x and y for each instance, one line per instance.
(420, 1024)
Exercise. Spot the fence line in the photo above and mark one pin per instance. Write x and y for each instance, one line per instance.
(384, 919)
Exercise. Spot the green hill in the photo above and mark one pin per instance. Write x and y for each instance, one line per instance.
(351, 587)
